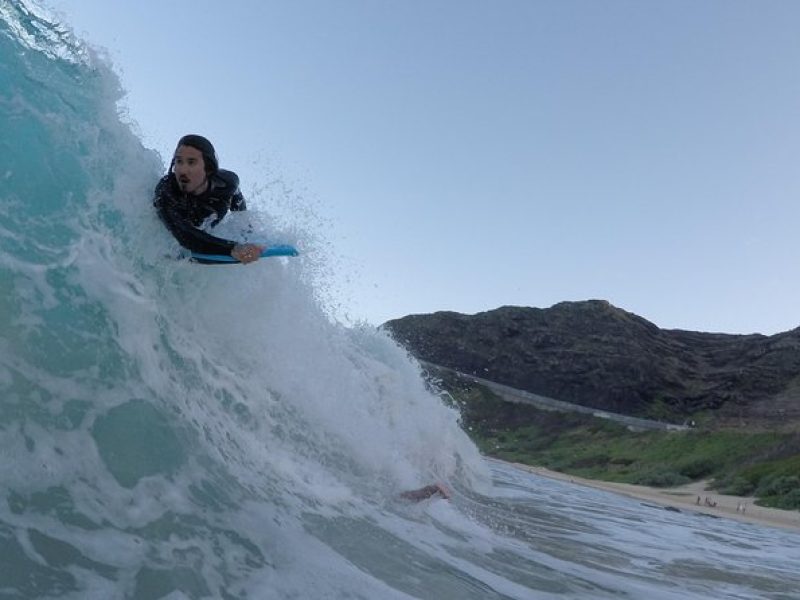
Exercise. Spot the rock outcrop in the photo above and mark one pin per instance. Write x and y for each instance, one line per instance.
(597, 355)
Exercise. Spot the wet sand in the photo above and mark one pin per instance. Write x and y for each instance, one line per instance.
(685, 497)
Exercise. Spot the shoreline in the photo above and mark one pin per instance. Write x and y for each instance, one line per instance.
(683, 498)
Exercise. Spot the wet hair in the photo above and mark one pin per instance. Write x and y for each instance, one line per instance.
(205, 147)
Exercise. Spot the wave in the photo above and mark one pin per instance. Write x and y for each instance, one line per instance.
(165, 426)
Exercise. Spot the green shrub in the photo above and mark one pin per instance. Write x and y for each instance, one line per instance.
(660, 478)
(778, 485)
(585, 462)
(698, 469)
(790, 500)
(737, 486)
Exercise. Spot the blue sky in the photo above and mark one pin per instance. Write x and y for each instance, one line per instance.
(466, 155)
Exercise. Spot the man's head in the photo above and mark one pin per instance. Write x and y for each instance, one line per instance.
(194, 160)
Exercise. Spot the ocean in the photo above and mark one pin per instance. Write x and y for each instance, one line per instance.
(172, 430)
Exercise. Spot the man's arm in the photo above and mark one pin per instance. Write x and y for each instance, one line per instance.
(244, 253)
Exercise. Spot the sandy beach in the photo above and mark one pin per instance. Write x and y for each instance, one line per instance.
(685, 498)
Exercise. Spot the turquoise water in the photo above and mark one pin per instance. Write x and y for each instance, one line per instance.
(169, 430)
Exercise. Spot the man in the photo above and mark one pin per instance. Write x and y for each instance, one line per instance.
(195, 195)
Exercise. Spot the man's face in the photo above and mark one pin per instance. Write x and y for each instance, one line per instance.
(190, 170)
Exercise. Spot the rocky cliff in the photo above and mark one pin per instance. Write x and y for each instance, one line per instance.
(595, 354)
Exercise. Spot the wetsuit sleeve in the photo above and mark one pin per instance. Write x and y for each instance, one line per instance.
(188, 235)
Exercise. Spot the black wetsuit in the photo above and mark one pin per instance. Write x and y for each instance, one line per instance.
(185, 214)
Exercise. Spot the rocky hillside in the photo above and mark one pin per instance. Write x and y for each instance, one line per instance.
(595, 354)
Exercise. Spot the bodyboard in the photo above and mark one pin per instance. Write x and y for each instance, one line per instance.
(276, 250)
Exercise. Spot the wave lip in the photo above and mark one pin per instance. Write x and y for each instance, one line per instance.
(34, 28)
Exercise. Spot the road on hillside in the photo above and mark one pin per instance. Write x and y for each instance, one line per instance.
(510, 394)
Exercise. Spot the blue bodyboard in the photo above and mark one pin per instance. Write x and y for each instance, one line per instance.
(278, 250)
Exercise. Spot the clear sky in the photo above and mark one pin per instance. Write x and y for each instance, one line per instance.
(470, 154)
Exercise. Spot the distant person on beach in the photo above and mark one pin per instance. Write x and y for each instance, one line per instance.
(426, 492)
(195, 195)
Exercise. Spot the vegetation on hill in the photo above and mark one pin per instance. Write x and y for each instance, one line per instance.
(735, 461)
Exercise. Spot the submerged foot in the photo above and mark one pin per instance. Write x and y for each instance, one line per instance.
(427, 492)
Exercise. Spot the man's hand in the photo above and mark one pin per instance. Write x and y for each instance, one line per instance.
(247, 253)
